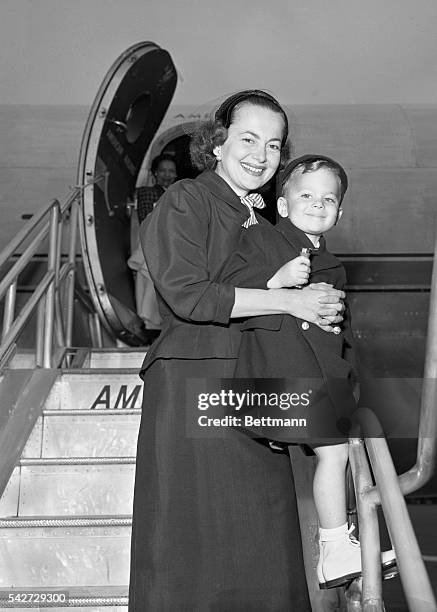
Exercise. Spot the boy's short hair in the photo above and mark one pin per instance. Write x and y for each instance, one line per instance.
(311, 163)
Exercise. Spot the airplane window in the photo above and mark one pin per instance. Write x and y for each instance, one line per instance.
(137, 116)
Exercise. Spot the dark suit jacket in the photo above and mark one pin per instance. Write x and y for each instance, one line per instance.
(186, 240)
(287, 348)
(279, 345)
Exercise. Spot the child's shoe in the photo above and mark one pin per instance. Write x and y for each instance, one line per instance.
(340, 557)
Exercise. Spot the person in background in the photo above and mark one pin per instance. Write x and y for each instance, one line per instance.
(164, 171)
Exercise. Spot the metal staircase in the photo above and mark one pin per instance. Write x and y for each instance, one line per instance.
(65, 515)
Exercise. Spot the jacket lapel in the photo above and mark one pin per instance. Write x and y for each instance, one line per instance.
(221, 190)
(321, 259)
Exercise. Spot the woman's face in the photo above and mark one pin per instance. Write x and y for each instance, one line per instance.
(251, 153)
(166, 173)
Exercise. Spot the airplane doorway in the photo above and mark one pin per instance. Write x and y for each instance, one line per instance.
(179, 148)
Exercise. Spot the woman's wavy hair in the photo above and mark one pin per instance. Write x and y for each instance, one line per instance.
(212, 133)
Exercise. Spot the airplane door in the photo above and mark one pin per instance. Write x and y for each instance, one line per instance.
(123, 120)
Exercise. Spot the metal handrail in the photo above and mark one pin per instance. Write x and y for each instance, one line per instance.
(25, 313)
(387, 492)
(390, 488)
(22, 262)
(47, 296)
(29, 227)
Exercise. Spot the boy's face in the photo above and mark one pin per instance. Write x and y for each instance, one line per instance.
(312, 201)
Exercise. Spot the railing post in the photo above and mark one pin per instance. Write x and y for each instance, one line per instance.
(95, 330)
(426, 447)
(8, 315)
(70, 281)
(428, 422)
(371, 597)
(40, 318)
(415, 580)
(59, 322)
(50, 296)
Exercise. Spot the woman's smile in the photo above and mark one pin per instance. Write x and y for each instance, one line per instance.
(251, 169)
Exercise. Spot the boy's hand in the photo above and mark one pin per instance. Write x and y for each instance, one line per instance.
(294, 273)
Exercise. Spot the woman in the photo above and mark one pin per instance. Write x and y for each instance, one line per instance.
(165, 173)
(215, 524)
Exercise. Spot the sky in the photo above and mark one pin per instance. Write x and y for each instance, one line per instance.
(318, 52)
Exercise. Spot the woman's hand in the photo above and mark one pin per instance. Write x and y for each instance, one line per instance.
(331, 302)
(294, 273)
(318, 303)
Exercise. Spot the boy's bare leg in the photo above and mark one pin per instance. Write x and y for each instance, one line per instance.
(340, 553)
(329, 486)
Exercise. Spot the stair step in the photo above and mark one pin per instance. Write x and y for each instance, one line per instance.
(80, 433)
(22, 360)
(96, 390)
(25, 522)
(63, 556)
(86, 414)
(120, 358)
(59, 461)
(70, 486)
(111, 598)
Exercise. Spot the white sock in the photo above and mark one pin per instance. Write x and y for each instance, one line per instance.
(335, 533)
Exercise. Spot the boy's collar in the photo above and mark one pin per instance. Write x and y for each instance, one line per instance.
(286, 227)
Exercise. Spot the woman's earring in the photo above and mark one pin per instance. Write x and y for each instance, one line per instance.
(218, 153)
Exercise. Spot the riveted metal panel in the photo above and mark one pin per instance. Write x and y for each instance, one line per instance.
(70, 490)
(91, 435)
(50, 557)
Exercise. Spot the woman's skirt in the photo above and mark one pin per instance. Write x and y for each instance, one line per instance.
(215, 523)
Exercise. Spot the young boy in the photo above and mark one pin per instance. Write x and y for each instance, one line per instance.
(281, 346)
